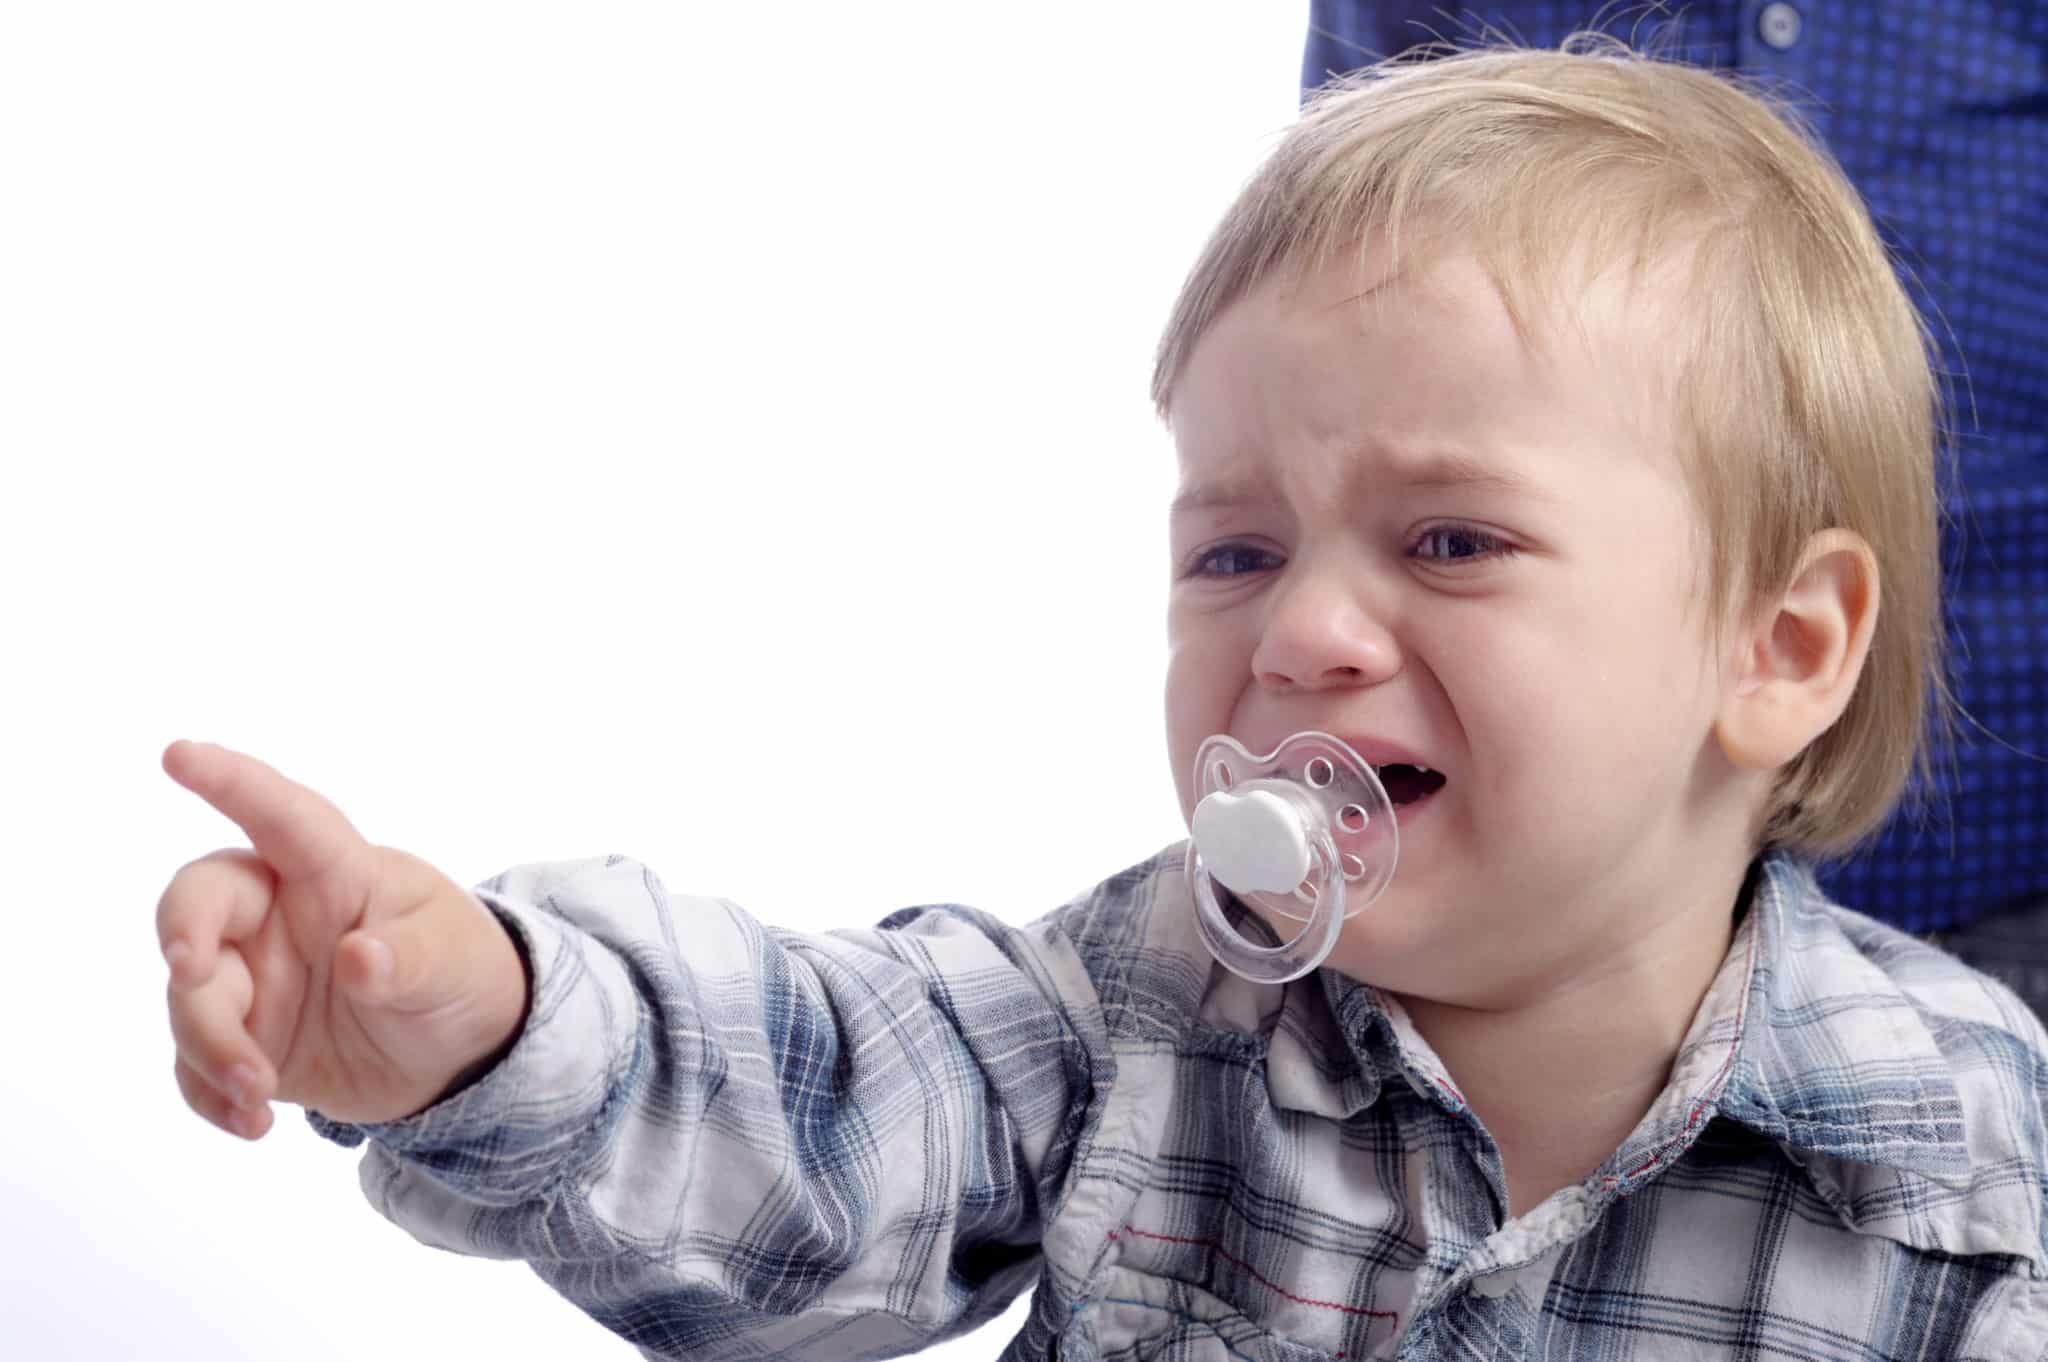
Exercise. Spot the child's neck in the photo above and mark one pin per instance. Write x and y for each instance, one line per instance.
(1561, 1081)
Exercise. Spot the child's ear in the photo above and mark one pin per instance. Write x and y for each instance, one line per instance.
(1802, 654)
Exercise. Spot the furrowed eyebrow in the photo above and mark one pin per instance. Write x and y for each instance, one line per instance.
(1437, 470)
(1205, 496)
(1454, 470)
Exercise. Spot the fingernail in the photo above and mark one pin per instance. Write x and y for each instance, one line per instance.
(175, 952)
(242, 1084)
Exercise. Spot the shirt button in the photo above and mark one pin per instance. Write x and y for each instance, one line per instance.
(1779, 24)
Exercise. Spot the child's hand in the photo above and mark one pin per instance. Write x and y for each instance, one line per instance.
(350, 978)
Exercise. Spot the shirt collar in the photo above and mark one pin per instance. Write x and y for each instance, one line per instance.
(1905, 1086)
(1819, 1032)
(1830, 1055)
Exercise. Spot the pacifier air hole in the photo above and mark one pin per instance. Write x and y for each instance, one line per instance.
(1259, 826)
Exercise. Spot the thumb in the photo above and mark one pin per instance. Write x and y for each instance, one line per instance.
(367, 965)
(400, 964)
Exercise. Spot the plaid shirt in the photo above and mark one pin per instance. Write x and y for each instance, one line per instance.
(851, 1144)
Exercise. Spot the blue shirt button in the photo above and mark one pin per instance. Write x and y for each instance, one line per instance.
(1778, 24)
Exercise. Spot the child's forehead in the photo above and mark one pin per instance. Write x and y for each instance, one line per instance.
(1437, 341)
(1357, 376)
(1452, 328)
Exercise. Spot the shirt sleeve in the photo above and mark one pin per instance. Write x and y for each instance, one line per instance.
(723, 1140)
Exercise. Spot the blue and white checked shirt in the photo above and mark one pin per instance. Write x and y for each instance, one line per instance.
(724, 1140)
(1938, 111)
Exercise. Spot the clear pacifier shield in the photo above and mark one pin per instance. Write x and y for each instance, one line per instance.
(1305, 832)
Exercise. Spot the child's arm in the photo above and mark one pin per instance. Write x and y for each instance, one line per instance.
(723, 1139)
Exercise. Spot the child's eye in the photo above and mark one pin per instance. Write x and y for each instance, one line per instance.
(1458, 544)
(1231, 560)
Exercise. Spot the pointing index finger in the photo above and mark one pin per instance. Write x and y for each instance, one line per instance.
(293, 828)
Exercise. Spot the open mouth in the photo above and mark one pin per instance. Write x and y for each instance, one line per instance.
(1406, 784)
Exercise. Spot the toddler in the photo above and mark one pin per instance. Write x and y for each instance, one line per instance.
(1554, 434)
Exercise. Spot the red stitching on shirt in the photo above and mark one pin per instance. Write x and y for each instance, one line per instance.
(1679, 1138)
(1275, 1287)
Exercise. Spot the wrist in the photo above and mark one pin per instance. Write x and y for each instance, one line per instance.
(517, 1006)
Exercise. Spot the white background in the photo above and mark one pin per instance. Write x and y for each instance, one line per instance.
(714, 433)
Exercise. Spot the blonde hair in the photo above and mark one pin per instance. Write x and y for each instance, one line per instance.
(1805, 395)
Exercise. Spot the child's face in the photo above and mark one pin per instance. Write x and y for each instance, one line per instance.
(1454, 553)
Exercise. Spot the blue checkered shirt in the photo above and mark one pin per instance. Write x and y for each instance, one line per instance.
(1938, 111)
(724, 1140)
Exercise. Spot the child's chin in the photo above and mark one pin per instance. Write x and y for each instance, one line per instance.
(1397, 941)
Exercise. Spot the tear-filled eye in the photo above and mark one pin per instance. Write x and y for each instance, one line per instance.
(1405, 784)
(1459, 544)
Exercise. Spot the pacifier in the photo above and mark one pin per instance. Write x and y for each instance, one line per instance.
(1305, 832)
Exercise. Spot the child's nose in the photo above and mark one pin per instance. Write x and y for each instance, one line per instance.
(1320, 635)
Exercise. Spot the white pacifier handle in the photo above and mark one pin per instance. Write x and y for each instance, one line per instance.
(1305, 832)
